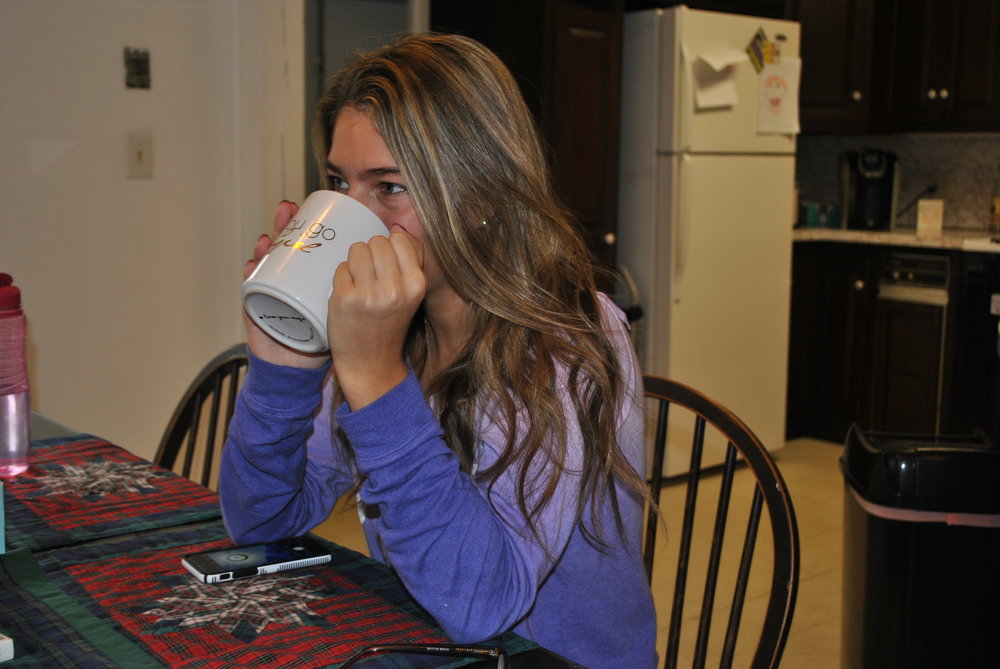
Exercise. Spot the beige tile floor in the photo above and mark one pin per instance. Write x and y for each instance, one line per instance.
(812, 475)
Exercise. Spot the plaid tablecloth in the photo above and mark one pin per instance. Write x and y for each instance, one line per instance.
(83, 488)
(126, 601)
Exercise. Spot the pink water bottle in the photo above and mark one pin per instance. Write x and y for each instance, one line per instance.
(15, 409)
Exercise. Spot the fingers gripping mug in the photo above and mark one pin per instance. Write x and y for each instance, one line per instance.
(287, 293)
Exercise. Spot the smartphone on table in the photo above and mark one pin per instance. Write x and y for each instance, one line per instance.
(228, 564)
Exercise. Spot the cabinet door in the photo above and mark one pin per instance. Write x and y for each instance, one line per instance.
(971, 357)
(806, 353)
(945, 65)
(776, 9)
(976, 98)
(851, 291)
(836, 65)
(829, 366)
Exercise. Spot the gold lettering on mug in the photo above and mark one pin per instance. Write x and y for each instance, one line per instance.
(315, 231)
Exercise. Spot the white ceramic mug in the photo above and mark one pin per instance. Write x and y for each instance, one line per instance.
(288, 292)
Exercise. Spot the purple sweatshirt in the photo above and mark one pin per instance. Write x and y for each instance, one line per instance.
(465, 555)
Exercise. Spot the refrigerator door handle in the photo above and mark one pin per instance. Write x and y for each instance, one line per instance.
(679, 232)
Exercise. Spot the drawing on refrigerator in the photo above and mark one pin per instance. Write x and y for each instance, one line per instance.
(709, 118)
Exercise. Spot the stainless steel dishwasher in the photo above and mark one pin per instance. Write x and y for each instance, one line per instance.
(911, 320)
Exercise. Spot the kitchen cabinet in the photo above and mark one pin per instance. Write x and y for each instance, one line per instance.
(837, 45)
(975, 360)
(944, 65)
(776, 9)
(900, 65)
(897, 365)
(834, 287)
(566, 55)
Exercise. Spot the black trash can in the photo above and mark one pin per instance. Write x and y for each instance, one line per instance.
(921, 552)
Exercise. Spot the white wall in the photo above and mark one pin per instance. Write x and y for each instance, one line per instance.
(129, 285)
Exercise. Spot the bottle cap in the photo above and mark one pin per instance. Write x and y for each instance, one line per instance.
(10, 295)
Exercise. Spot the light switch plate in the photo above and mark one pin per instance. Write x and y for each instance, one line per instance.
(140, 155)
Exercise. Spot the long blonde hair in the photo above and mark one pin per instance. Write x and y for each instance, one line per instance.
(466, 144)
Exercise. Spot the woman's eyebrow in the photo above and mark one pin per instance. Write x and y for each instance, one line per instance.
(374, 172)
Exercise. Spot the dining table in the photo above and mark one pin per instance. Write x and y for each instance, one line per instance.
(92, 577)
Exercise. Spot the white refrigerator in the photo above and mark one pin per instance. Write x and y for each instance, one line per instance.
(707, 208)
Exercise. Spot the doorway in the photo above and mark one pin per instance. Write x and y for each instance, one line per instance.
(337, 29)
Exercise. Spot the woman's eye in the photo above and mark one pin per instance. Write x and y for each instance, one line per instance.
(336, 183)
(389, 188)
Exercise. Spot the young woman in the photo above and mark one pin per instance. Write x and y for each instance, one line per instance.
(481, 396)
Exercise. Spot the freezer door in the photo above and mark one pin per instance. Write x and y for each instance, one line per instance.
(691, 39)
(717, 287)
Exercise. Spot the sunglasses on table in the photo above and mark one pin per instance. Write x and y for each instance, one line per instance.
(419, 655)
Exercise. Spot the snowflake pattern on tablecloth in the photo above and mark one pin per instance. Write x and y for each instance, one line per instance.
(98, 479)
(243, 608)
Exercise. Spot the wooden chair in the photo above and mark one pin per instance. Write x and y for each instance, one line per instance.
(685, 418)
(202, 417)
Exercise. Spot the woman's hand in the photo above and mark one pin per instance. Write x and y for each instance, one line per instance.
(260, 343)
(375, 295)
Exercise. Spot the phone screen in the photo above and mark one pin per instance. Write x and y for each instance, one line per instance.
(257, 555)
(254, 559)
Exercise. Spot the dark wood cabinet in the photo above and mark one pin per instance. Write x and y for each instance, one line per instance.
(836, 49)
(972, 386)
(891, 364)
(900, 65)
(944, 66)
(804, 342)
(566, 55)
(777, 9)
(834, 287)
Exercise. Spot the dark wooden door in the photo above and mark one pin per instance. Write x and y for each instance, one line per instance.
(582, 119)
(566, 55)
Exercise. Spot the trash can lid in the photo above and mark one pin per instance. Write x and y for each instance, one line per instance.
(928, 473)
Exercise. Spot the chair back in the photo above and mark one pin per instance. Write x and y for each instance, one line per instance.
(705, 548)
(193, 440)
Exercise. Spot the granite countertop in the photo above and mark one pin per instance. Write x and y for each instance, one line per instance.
(965, 240)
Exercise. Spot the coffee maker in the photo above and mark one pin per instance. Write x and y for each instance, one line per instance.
(869, 181)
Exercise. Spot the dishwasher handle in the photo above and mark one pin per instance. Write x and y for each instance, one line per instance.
(913, 294)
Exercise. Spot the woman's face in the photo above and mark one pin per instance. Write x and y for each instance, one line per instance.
(360, 166)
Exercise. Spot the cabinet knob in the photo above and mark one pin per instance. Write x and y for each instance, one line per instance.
(932, 94)
(943, 94)
(610, 239)
(859, 284)
(857, 96)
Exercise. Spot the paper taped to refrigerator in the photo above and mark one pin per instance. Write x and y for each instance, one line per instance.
(778, 98)
(713, 78)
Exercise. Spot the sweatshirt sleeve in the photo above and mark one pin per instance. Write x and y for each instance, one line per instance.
(465, 553)
(282, 470)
